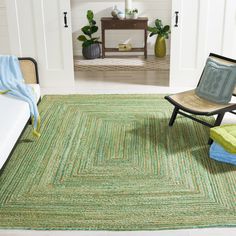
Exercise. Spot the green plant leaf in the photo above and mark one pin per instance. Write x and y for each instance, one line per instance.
(93, 22)
(82, 38)
(87, 43)
(90, 15)
(158, 24)
(86, 30)
(166, 28)
(152, 30)
(93, 29)
(94, 39)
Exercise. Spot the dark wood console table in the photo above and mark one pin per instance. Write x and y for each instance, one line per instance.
(109, 23)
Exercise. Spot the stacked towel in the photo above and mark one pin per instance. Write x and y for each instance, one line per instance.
(218, 153)
(12, 83)
(224, 146)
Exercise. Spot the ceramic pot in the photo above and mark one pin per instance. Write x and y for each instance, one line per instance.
(160, 47)
(91, 52)
(135, 15)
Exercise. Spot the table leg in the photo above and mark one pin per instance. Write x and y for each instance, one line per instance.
(145, 43)
(103, 43)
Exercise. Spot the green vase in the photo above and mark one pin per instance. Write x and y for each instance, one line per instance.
(160, 47)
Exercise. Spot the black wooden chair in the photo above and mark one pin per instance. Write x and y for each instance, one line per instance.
(188, 103)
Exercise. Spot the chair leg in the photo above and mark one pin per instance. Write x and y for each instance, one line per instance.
(217, 123)
(219, 119)
(173, 116)
(210, 141)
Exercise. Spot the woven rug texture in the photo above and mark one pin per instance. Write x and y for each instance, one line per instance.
(110, 162)
(122, 64)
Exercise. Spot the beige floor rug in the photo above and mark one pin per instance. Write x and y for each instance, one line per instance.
(122, 64)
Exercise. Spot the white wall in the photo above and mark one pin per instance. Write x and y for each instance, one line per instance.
(36, 29)
(153, 9)
(4, 36)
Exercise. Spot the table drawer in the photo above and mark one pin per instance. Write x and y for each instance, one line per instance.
(127, 24)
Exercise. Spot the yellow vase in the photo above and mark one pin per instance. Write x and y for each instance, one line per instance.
(160, 47)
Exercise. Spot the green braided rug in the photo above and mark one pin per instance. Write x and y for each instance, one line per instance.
(110, 162)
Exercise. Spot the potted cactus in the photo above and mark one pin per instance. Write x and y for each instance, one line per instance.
(162, 33)
(91, 44)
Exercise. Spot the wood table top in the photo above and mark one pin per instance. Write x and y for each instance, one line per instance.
(116, 19)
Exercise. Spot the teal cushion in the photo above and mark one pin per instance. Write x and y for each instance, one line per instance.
(217, 82)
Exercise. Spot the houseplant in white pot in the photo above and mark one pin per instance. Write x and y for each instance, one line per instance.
(162, 33)
(135, 13)
(91, 47)
(132, 14)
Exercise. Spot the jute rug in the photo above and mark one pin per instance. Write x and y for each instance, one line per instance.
(110, 162)
(122, 64)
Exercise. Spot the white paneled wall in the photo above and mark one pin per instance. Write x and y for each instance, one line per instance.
(152, 9)
(4, 36)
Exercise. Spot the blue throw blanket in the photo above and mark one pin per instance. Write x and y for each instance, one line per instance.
(12, 83)
(217, 152)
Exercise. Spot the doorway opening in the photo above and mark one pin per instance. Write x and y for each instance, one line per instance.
(128, 71)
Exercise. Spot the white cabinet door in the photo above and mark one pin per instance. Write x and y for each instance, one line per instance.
(202, 27)
(38, 29)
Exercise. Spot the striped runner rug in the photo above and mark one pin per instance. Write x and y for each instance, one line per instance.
(122, 64)
(110, 162)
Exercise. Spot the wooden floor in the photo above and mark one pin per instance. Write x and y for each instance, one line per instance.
(109, 82)
(129, 79)
(155, 78)
(150, 78)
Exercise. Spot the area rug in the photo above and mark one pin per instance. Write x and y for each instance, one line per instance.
(110, 162)
(122, 64)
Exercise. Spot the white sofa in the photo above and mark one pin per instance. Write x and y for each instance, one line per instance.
(15, 113)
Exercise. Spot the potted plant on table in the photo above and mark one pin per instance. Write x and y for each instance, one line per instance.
(132, 14)
(162, 33)
(91, 47)
(135, 13)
